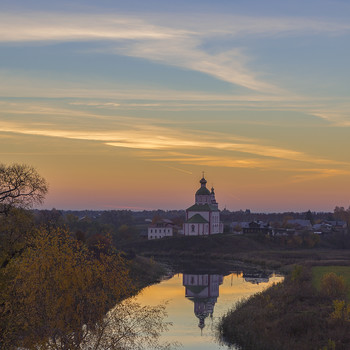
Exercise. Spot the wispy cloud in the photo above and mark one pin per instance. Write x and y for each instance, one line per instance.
(337, 116)
(318, 173)
(46, 26)
(144, 136)
(166, 39)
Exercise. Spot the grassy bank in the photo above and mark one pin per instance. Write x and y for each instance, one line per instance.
(145, 271)
(272, 252)
(291, 315)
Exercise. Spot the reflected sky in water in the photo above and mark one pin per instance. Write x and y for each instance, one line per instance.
(197, 301)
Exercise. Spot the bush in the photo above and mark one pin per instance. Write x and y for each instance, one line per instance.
(333, 286)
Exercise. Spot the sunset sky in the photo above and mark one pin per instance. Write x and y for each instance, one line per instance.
(123, 104)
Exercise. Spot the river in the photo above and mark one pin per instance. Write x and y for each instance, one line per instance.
(197, 300)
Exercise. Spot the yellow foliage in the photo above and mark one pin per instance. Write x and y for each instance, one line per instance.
(333, 285)
(341, 310)
(59, 287)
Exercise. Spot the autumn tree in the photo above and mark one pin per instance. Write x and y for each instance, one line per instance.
(56, 288)
(130, 326)
(20, 186)
(15, 228)
(333, 286)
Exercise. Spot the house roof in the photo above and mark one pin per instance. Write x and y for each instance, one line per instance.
(197, 219)
(202, 207)
(300, 222)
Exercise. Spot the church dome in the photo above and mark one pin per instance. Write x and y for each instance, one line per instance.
(203, 181)
(203, 191)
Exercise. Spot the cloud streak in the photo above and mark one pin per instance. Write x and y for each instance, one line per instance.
(175, 42)
(157, 138)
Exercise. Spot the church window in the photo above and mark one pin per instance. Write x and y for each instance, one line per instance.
(192, 228)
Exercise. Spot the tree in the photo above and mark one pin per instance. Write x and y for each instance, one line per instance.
(20, 186)
(333, 286)
(55, 288)
(57, 294)
(310, 217)
(15, 228)
(129, 326)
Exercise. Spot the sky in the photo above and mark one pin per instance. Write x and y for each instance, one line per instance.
(123, 104)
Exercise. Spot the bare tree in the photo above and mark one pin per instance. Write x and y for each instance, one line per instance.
(20, 186)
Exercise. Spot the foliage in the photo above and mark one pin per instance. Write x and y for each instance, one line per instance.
(129, 326)
(342, 214)
(330, 345)
(341, 310)
(58, 287)
(15, 229)
(333, 286)
(297, 273)
(309, 216)
(20, 186)
(319, 272)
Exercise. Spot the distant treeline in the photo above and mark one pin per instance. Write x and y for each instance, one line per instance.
(129, 217)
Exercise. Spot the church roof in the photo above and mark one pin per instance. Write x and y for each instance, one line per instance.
(196, 289)
(203, 191)
(202, 207)
(197, 219)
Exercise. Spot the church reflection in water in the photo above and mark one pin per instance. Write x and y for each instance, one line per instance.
(203, 290)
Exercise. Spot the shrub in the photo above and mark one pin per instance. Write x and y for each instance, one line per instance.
(333, 286)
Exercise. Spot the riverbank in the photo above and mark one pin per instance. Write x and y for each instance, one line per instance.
(280, 253)
(292, 315)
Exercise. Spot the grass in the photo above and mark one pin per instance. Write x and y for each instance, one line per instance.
(319, 271)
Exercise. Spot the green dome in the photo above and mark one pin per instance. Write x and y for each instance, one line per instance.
(203, 191)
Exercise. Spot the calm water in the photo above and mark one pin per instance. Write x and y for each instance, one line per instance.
(196, 302)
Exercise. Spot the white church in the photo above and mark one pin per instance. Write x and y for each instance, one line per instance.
(203, 218)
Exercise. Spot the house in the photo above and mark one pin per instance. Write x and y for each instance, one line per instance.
(238, 226)
(300, 224)
(160, 229)
(336, 225)
(259, 227)
(203, 218)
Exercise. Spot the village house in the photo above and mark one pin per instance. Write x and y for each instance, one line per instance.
(160, 229)
(300, 224)
(258, 227)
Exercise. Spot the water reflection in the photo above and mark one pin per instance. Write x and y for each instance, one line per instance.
(256, 278)
(198, 298)
(203, 290)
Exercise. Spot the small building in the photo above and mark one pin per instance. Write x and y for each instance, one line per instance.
(258, 227)
(161, 229)
(300, 224)
(336, 225)
(238, 226)
(203, 218)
